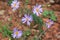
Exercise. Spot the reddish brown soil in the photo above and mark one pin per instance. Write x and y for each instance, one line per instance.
(49, 35)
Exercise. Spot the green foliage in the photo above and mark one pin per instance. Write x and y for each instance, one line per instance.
(0, 23)
(45, 13)
(26, 10)
(26, 33)
(52, 16)
(10, 1)
(21, 10)
(49, 14)
(38, 21)
(26, 1)
(0, 30)
(6, 31)
(35, 38)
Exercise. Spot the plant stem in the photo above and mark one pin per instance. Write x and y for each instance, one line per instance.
(42, 33)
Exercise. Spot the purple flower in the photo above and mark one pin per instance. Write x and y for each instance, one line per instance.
(49, 23)
(16, 33)
(37, 10)
(15, 5)
(27, 19)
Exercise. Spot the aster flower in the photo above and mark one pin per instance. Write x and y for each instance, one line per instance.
(27, 19)
(16, 33)
(49, 23)
(15, 5)
(37, 10)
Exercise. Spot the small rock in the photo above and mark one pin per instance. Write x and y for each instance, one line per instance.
(2, 12)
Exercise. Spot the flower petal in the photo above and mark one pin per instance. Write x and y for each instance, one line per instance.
(13, 9)
(24, 21)
(37, 14)
(28, 23)
(25, 16)
(19, 35)
(39, 6)
(14, 35)
(30, 18)
(41, 10)
(15, 29)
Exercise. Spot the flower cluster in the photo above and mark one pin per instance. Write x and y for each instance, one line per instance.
(27, 19)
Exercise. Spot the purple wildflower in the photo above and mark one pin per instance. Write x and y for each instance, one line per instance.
(37, 10)
(15, 5)
(49, 23)
(27, 19)
(16, 33)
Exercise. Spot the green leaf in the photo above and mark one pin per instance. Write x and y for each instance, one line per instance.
(21, 10)
(26, 33)
(35, 18)
(0, 30)
(35, 38)
(0, 24)
(6, 31)
(26, 1)
(51, 12)
(53, 18)
(45, 13)
(26, 10)
(10, 1)
(38, 21)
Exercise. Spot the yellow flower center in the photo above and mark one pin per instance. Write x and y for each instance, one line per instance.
(49, 23)
(17, 33)
(27, 19)
(37, 9)
(14, 4)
